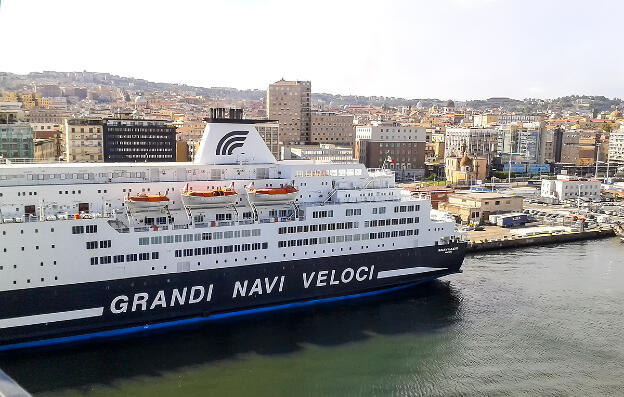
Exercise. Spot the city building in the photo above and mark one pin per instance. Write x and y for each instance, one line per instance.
(551, 145)
(16, 135)
(84, 141)
(477, 207)
(270, 133)
(515, 118)
(579, 147)
(56, 138)
(48, 90)
(484, 120)
(288, 102)
(616, 146)
(569, 188)
(332, 128)
(322, 153)
(394, 146)
(465, 170)
(137, 140)
(45, 150)
(481, 142)
(523, 139)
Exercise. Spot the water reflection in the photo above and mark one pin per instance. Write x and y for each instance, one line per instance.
(423, 309)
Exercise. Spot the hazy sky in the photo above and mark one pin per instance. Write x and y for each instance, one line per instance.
(460, 49)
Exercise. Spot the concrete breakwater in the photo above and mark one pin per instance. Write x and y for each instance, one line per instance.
(542, 239)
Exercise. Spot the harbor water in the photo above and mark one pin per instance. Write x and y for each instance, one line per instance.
(537, 321)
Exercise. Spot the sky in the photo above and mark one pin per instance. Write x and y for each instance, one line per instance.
(447, 49)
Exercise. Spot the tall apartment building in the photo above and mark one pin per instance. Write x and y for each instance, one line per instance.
(616, 146)
(551, 146)
(332, 128)
(579, 147)
(481, 142)
(84, 142)
(136, 140)
(521, 138)
(16, 135)
(393, 146)
(270, 133)
(288, 102)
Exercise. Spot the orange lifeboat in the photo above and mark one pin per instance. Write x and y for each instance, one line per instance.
(146, 202)
(209, 198)
(272, 195)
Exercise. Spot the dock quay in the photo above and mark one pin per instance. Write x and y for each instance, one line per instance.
(519, 241)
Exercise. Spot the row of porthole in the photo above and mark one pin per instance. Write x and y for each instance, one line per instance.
(22, 231)
(341, 249)
(15, 266)
(28, 280)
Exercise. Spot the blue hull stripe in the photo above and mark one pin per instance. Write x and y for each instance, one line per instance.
(102, 335)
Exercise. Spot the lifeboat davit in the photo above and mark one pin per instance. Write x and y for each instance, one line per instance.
(209, 198)
(272, 195)
(146, 202)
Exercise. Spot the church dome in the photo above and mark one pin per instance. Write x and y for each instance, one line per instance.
(465, 161)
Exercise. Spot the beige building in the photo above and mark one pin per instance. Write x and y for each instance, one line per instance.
(332, 128)
(45, 150)
(83, 140)
(270, 132)
(190, 129)
(465, 170)
(288, 102)
(475, 207)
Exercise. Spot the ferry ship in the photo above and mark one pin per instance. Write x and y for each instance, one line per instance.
(88, 250)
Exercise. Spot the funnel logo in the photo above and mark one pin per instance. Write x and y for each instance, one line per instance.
(231, 141)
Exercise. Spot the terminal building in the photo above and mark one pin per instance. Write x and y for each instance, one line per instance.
(569, 188)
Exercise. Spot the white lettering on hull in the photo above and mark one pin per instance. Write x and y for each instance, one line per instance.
(323, 278)
(140, 300)
(257, 287)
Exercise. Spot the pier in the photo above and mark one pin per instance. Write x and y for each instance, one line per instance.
(513, 241)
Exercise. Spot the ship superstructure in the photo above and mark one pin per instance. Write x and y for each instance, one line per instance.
(91, 247)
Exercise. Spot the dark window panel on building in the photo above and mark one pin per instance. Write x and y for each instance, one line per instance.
(134, 140)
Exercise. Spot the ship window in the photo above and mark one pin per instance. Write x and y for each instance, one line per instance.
(206, 236)
(131, 257)
(178, 238)
(144, 241)
(91, 245)
(156, 240)
(229, 234)
(118, 258)
(105, 244)
(247, 233)
(105, 260)
(255, 232)
(94, 261)
(188, 237)
(77, 229)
